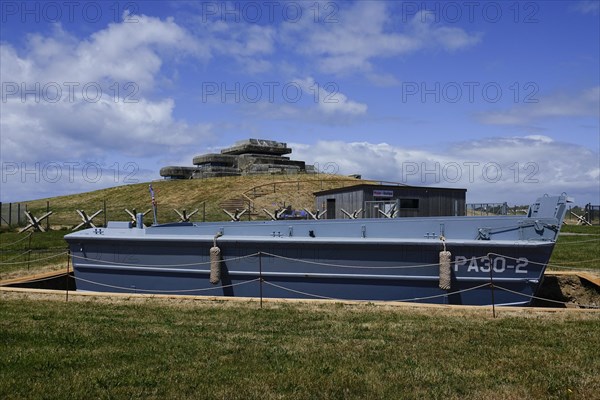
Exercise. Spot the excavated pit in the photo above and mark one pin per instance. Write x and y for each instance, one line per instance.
(571, 289)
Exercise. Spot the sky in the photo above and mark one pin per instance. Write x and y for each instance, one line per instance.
(501, 98)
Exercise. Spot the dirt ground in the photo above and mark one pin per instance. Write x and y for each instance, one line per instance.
(575, 291)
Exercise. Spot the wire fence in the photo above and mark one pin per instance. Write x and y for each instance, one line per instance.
(14, 215)
(586, 215)
(592, 214)
(11, 214)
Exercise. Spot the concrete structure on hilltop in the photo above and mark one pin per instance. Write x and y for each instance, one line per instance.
(245, 157)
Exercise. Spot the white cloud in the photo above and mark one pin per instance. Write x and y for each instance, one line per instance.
(588, 7)
(366, 32)
(585, 103)
(48, 117)
(330, 100)
(122, 51)
(67, 121)
(248, 44)
(540, 138)
(515, 169)
(320, 103)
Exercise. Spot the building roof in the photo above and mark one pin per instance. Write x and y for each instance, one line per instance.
(368, 186)
(257, 146)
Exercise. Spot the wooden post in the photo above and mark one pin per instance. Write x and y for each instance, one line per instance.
(9, 214)
(492, 286)
(67, 278)
(29, 251)
(260, 279)
(48, 219)
(104, 208)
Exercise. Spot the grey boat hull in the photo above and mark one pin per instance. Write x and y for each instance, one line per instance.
(369, 259)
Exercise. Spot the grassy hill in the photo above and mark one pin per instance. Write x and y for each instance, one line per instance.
(207, 195)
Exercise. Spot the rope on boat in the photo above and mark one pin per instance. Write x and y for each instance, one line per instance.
(283, 258)
(432, 297)
(130, 289)
(215, 261)
(445, 271)
(402, 300)
(590, 306)
(161, 265)
(298, 260)
(359, 266)
(551, 265)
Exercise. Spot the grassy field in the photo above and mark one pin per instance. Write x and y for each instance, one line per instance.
(580, 251)
(229, 350)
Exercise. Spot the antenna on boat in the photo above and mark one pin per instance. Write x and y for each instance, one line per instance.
(153, 204)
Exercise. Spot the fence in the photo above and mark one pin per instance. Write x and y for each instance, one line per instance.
(473, 209)
(575, 215)
(592, 214)
(12, 214)
(372, 208)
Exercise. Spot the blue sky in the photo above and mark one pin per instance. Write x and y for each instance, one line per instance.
(502, 98)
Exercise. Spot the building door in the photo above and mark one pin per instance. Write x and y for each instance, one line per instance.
(330, 208)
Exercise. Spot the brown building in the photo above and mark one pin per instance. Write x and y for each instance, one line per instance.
(393, 200)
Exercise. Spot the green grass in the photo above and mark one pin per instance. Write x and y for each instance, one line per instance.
(585, 229)
(577, 251)
(45, 247)
(220, 350)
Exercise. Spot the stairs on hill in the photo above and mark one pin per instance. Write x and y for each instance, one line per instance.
(235, 203)
(255, 192)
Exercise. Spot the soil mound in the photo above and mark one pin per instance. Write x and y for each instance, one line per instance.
(571, 289)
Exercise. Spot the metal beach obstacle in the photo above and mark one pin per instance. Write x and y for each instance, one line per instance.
(87, 221)
(390, 214)
(235, 216)
(316, 215)
(355, 214)
(133, 213)
(35, 222)
(184, 216)
(276, 216)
